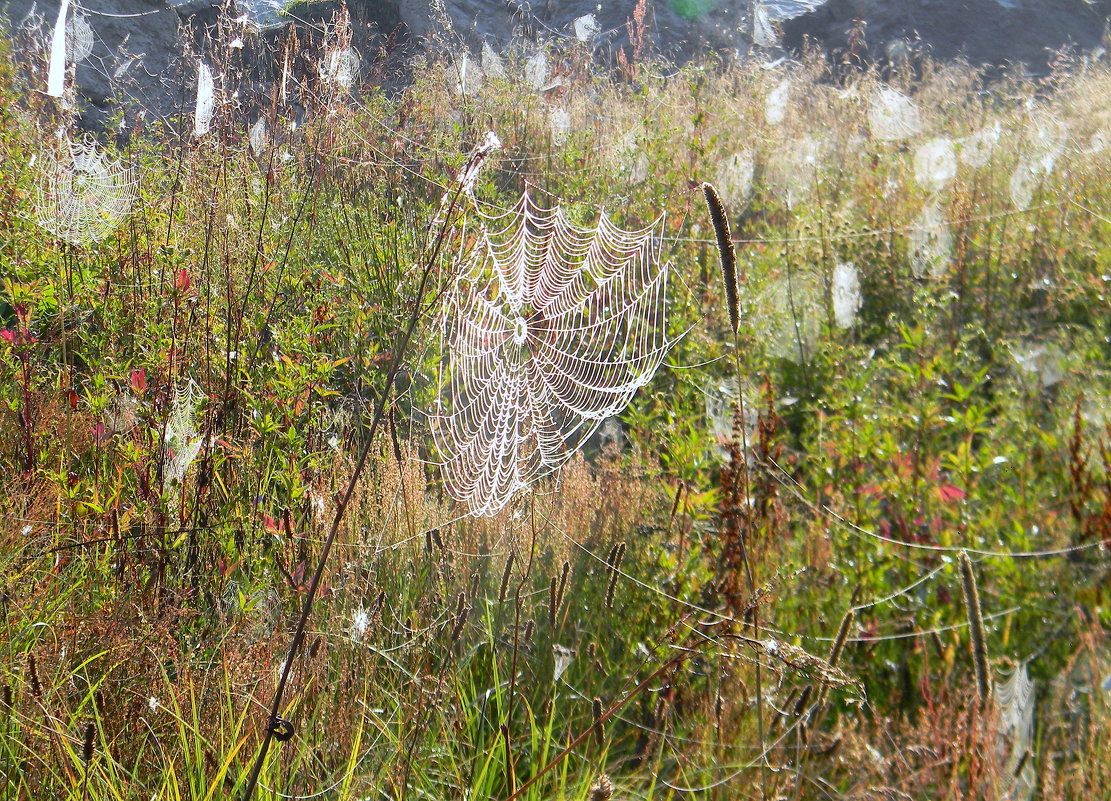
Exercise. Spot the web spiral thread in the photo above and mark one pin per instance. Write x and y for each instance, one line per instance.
(551, 328)
(83, 195)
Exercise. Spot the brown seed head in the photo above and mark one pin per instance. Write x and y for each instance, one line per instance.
(727, 253)
(602, 790)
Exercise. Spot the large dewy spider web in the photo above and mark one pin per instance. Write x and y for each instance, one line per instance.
(549, 329)
(83, 195)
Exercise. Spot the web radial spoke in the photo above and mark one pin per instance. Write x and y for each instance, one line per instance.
(551, 329)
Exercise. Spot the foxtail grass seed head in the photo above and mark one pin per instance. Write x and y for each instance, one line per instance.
(530, 627)
(33, 675)
(599, 727)
(616, 555)
(803, 700)
(505, 577)
(727, 252)
(436, 538)
(88, 744)
(975, 626)
(834, 654)
(602, 789)
(460, 617)
(789, 702)
(6, 696)
(563, 582)
(842, 636)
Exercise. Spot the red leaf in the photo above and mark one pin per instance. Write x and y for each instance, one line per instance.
(139, 380)
(182, 282)
(951, 492)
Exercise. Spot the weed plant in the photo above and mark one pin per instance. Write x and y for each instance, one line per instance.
(245, 314)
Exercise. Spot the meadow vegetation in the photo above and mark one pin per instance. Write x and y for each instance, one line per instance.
(922, 356)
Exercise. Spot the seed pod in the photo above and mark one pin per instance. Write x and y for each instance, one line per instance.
(975, 626)
(727, 253)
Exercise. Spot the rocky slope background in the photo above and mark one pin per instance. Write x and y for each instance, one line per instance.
(141, 54)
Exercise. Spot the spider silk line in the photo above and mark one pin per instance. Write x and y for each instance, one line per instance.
(727, 618)
(96, 13)
(766, 240)
(575, 692)
(883, 232)
(839, 237)
(802, 718)
(792, 485)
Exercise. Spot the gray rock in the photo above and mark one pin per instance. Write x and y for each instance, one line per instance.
(984, 32)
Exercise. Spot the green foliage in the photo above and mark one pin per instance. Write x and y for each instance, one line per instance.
(964, 411)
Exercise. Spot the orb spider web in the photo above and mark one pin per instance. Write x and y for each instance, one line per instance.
(83, 196)
(549, 329)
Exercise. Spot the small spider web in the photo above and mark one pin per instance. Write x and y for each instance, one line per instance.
(82, 196)
(550, 329)
(79, 39)
(182, 441)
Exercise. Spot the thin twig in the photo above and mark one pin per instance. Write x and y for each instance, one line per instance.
(275, 722)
